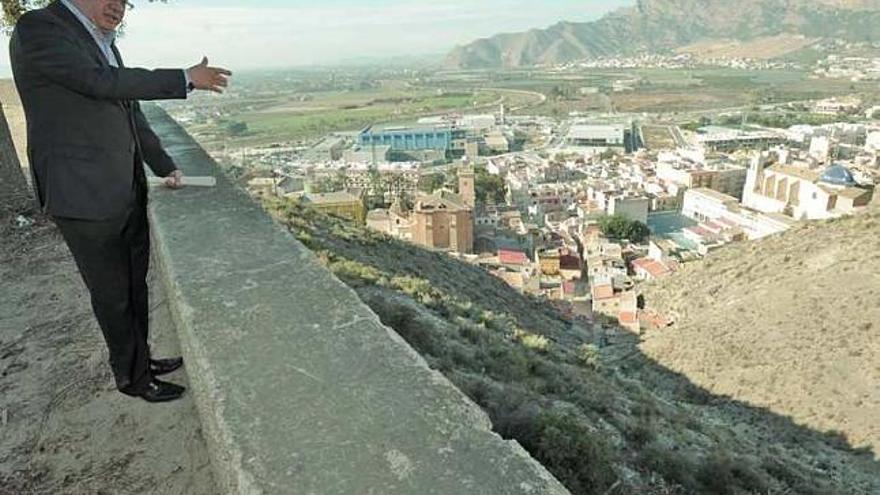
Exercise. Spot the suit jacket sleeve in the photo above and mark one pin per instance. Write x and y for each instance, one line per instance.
(154, 154)
(51, 50)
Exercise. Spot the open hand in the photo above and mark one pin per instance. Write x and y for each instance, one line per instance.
(208, 78)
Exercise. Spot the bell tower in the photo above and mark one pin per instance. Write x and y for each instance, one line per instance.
(466, 186)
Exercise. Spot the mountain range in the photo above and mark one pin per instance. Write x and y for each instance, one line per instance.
(662, 26)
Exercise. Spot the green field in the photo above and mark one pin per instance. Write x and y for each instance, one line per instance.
(298, 107)
(665, 91)
(310, 116)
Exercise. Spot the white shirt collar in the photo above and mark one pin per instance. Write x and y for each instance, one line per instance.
(96, 32)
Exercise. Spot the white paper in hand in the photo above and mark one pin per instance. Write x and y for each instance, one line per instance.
(186, 181)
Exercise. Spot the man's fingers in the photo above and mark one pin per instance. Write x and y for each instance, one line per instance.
(211, 78)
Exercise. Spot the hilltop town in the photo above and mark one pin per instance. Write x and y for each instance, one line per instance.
(580, 211)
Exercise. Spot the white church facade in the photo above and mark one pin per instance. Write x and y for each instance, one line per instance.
(803, 193)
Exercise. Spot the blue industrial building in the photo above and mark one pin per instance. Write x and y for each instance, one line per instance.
(413, 138)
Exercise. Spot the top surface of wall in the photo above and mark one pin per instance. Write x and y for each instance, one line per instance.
(300, 387)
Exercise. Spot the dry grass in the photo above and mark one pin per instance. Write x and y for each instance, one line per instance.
(789, 324)
(764, 48)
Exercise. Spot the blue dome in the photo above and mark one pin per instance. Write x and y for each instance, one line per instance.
(838, 175)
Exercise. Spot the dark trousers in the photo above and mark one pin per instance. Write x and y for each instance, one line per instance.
(113, 257)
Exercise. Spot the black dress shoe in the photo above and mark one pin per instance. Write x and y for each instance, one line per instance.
(159, 367)
(158, 391)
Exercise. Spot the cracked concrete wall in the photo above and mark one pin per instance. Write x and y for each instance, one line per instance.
(300, 388)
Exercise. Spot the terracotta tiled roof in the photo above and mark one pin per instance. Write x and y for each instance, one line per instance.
(512, 257)
(628, 317)
(700, 231)
(603, 291)
(653, 267)
(713, 226)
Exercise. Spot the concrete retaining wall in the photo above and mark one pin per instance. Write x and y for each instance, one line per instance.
(299, 386)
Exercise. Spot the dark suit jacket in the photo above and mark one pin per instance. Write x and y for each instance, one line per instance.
(87, 137)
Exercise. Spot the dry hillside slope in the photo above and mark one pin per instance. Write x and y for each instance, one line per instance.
(602, 418)
(791, 324)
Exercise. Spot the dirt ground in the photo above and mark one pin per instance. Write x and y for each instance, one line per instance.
(63, 427)
(789, 323)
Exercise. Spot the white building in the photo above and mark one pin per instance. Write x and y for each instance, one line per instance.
(834, 106)
(496, 142)
(803, 193)
(329, 149)
(703, 204)
(596, 136)
(725, 139)
(706, 205)
(631, 207)
(872, 143)
(820, 148)
(478, 122)
(727, 178)
(373, 155)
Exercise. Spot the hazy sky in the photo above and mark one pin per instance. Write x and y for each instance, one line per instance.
(282, 33)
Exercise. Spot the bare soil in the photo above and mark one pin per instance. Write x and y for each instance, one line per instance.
(790, 324)
(63, 427)
(764, 48)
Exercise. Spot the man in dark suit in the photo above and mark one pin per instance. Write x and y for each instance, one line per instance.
(87, 143)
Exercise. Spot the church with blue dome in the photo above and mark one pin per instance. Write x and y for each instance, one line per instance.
(838, 175)
(802, 192)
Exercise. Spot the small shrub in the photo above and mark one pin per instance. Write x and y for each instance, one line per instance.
(675, 467)
(590, 356)
(412, 329)
(487, 318)
(507, 364)
(532, 341)
(474, 333)
(581, 458)
(643, 432)
(795, 478)
(355, 273)
(413, 286)
(306, 238)
(725, 474)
